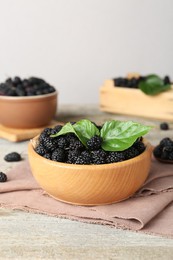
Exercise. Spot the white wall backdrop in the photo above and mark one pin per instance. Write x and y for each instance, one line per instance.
(76, 44)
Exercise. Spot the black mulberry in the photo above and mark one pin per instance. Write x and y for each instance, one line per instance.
(115, 157)
(94, 143)
(131, 152)
(13, 157)
(40, 149)
(98, 156)
(58, 155)
(164, 126)
(3, 177)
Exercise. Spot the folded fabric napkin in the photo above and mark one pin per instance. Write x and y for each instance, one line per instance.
(150, 210)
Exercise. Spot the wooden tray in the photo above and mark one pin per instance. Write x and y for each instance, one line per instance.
(134, 102)
(17, 135)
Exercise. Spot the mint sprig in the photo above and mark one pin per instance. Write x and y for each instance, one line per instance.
(120, 135)
(153, 85)
(116, 135)
(83, 129)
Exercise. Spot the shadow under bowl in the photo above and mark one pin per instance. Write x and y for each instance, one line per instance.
(90, 184)
(28, 111)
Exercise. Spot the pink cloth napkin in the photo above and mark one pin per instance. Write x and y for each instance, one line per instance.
(150, 210)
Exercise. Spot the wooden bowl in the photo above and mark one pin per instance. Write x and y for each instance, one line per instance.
(90, 184)
(27, 111)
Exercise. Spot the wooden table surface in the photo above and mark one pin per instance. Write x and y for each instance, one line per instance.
(33, 236)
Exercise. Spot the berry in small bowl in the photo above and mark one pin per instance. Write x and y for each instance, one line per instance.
(88, 165)
(27, 103)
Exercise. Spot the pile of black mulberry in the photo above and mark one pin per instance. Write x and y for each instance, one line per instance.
(164, 150)
(134, 82)
(68, 149)
(25, 87)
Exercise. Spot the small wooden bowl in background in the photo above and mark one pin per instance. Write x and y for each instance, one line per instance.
(28, 111)
(90, 184)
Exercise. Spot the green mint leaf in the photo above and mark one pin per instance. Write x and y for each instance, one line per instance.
(153, 85)
(120, 135)
(85, 130)
(66, 129)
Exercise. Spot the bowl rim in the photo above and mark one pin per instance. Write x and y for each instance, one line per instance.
(17, 98)
(148, 149)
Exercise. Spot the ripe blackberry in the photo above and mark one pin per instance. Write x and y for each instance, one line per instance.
(20, 92)
(164, 155)
(139, 146)
(71, 137)
(157, 151)
(119, 82)
(16, 81)
(164, 126)
(40, 149)
(87, 155)
(98, 156)
(27, 87)
(115, 157)
(75, 144)
(131, 152)
(45, 133)
(94, 143)
(12, 157)
(170, 156)
(168, 148)
(83, 160)
(62, 142)
(164, 150)
(72, 156)
(48, 144)
(47, 156)
(166, 142)
(56, 129)
(58, 155)
(3, 177)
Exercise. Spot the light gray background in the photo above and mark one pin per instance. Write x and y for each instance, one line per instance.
(76, 44)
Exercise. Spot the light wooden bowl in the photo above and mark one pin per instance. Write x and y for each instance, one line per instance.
(28, 111)
(90, 184)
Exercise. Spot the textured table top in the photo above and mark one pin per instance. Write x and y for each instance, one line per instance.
(34, 236)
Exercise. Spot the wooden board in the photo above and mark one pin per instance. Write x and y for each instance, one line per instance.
(17, 135)
(134, 102)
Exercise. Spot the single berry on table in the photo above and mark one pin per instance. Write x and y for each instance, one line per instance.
(164, 126)
(3, 177)
(13, 157)
(164, 150)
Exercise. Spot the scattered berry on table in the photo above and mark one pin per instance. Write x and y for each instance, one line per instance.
(164, 150)
(164, 126)
(26, 87)
(3, 177)
(13, 157)
(166, 142)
